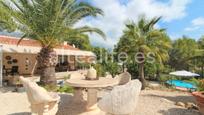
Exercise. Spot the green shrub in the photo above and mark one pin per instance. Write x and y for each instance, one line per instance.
(65, 89)
(133, 69)
(150, 71)
(100, 70)
(200, 85)
(83, 65)
(112, 67)
(165, 77)
(193, 81)
(61, 89)
(51, 88)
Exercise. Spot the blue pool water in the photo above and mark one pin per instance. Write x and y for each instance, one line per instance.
(180, 83)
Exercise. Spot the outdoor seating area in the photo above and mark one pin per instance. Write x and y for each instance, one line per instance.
(110, 57)
(45, 103)
(165, 101)
(119, 95)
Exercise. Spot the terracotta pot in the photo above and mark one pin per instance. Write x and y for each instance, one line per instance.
(199, 96)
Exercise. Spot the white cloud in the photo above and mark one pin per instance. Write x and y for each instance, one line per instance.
(198, 21)
(174, 36)
(174, 9)
(195, 24)
(191, 28)
(116, 14)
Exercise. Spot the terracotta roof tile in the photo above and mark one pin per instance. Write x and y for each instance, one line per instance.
(28, 42)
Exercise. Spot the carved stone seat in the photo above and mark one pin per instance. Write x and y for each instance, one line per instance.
(42, 102)
(122, 100)
(124, 78)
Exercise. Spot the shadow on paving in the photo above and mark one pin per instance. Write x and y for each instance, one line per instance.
(183, 99)
(7, 89)
(68, 107)
(21, 113)
(179, 111)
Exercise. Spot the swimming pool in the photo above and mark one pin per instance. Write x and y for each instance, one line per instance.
(179, 83)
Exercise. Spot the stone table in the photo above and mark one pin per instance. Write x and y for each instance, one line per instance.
(92, 86)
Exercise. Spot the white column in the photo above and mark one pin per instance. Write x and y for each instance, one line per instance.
(1, 65)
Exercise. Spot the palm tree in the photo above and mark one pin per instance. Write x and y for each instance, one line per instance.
(48, 22)
(142, 37)
(199, 55)
(5, 21)
(181, 53)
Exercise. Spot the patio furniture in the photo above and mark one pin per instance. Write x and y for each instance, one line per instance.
(12, 71)
(184, 73)
(6, 71)
(124, 78)
(122, 100)
(108, 75)
(10, 80)
(42, 102)
(76, 75)
(78, 91)
(92, 86)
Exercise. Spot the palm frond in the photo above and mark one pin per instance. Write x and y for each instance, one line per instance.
(143, 37)
(48, 20)
(91, 30)
(25, 35)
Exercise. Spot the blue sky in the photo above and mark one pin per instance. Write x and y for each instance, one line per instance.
(180, 17)
(177, 28)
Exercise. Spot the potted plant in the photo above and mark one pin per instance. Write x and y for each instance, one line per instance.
(199, 95)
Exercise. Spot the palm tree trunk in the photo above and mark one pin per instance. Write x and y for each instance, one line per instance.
(141, 75)
(202, 69)
(157, 74)
(47, 60)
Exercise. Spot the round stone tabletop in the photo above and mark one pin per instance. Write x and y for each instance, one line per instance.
(102, 82)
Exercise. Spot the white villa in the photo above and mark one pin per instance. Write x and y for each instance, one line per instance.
(21, 59)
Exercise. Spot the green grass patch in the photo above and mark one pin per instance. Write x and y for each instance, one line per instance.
(61, 89)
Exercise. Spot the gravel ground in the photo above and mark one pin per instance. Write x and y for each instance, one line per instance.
(151, 102)
(154, 102)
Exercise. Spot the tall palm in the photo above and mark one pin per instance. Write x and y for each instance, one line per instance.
(49, 21)
(144, 38)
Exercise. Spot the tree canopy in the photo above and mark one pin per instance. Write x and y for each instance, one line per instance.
(144, 38)
(6, 22)
(48, 21)
(183, 50)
